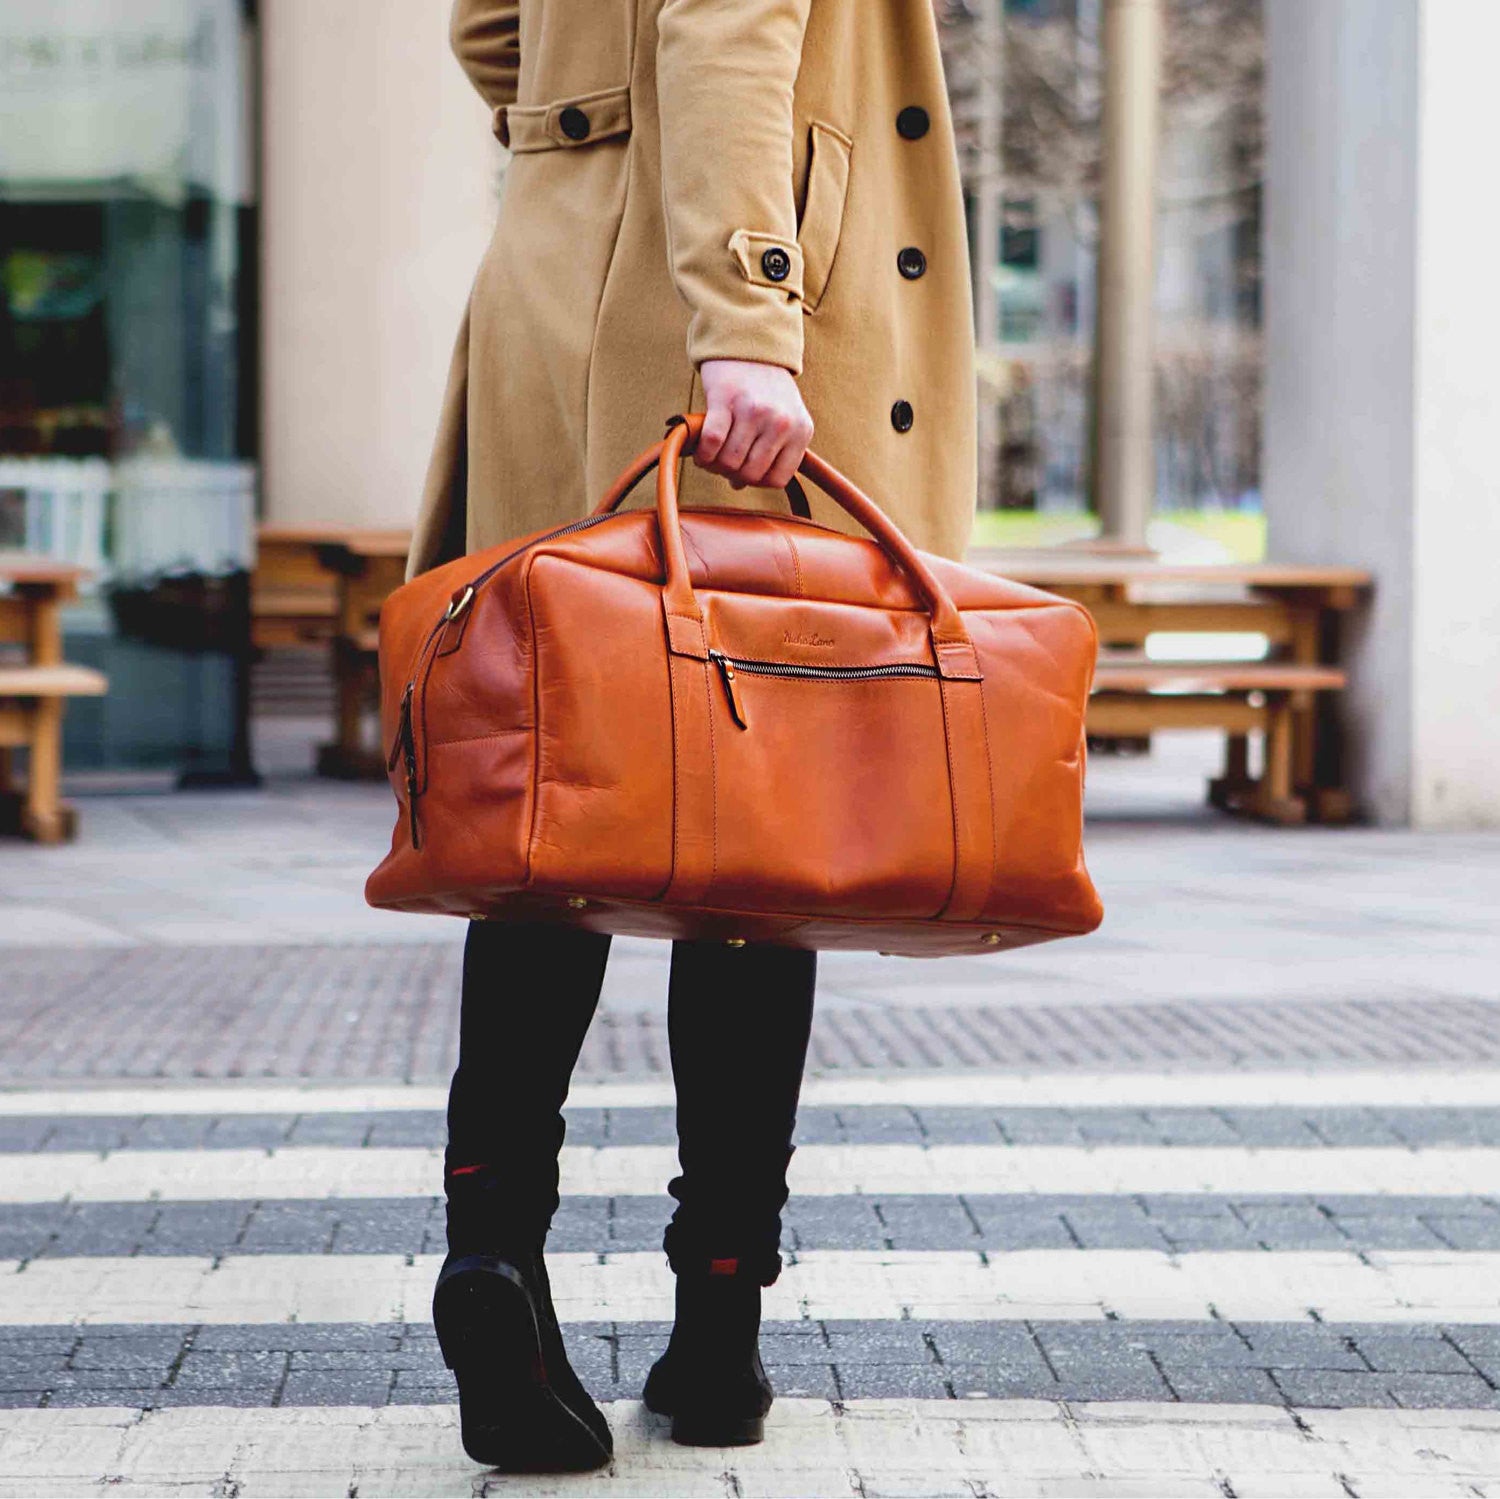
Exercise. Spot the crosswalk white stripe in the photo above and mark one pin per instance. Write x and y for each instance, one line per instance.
(1067, 1284)
(937, 1448)
(305, 1172)
(1328, 1089)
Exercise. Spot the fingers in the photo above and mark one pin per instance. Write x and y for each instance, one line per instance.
(716, 423)
(755, 427)
(790, 456)
(745, 429)
(758, 448)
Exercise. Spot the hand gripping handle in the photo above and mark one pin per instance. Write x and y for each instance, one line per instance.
(951, 643)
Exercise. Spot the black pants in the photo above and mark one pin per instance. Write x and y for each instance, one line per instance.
(737, 1022)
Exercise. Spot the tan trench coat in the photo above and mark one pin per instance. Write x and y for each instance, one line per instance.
(693, 179)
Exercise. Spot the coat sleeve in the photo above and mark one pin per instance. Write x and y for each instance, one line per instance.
(486, 39)
(725, 71)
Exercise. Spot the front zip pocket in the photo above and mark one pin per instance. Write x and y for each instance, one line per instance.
(730, 665)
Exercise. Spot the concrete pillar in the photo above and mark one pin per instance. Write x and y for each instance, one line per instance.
(989, 193)
(378, 195)
(1382, 396)
(1124, 456)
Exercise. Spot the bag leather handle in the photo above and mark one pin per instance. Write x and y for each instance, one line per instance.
(950, 640)
(643, 463)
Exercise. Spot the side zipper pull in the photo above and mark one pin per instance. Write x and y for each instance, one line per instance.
(406, 744)
(731, 687)
(401, 726)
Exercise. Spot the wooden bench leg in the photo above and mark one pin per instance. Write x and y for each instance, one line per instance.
(1230, 789)
(357, 677)
(1275, 799)
(44, 816)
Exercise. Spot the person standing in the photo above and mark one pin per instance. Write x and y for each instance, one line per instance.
(750, 208)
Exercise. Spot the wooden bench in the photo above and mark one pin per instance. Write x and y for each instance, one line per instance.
(32, 699)
(1288, 697)
(1134, 698)
(369, 567)
(294, 600)
(35, 685)
(322, 587)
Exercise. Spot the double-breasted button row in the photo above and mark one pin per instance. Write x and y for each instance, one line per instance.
(574, 123)
(912, 124)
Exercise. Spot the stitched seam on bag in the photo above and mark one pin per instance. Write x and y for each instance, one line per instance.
(477, 738)
(791, 546)
(713, 776)
(536, 717)
(952, 797)
(989, 775)
(676, 772)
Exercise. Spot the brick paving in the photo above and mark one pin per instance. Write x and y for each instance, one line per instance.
(355, 1011)
(1422, 1366)
(973, 1221)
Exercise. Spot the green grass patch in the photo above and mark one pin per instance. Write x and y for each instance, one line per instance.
(1240, 533)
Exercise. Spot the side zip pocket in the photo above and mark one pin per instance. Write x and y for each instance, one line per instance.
(405, 748)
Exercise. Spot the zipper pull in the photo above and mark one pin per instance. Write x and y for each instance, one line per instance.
(406, 748)
(401, 727)
(731, 691)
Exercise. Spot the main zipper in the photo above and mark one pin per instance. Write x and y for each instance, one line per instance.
(729, 666)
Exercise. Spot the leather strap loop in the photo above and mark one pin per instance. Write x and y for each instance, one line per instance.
(973, 803)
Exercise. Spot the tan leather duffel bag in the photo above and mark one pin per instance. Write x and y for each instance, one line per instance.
(732, 725)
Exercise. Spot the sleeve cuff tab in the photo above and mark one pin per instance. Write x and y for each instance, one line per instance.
(768, 260)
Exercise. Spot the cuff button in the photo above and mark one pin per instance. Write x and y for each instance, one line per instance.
(573, 123)
(776, 264)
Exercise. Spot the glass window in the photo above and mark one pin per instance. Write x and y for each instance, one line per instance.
(127, 419)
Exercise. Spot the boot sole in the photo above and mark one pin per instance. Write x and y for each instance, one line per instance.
(717, 1431)
(510, 1416)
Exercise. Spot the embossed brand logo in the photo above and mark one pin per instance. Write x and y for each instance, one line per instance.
(794, 637)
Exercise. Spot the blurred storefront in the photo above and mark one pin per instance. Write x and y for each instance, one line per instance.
(127, 342)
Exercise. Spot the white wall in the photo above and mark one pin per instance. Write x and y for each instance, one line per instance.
(1456, 576)
(379, 190)
(1381, 322)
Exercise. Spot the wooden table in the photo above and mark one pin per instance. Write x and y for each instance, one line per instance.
(369, 566)
(1298, 608)
(35, 684)
(294, 597)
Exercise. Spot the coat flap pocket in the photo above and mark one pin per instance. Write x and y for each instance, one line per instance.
(823, 209)
(578, 121)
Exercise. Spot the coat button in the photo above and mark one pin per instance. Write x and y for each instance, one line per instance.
(911, 262)
(901, 416)
(776, 264)
(574, 123)
(912, 123)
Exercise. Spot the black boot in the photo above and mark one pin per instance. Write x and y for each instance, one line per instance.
(528, 996)
(711, 1381)
(521, 1407)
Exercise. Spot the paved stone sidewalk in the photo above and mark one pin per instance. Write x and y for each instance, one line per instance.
(1372, 1365)
(350, 1011)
